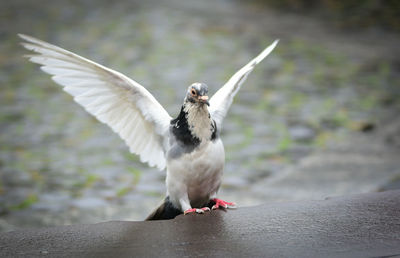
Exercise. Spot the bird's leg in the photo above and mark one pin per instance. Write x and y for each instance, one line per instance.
(187, 208)
(222, 204)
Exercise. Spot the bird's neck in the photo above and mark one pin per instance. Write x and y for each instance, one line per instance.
(193, 124)
(199, 120)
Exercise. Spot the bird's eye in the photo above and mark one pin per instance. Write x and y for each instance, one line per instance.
(193, 92)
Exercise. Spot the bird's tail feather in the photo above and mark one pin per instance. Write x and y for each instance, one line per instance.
(165, 211)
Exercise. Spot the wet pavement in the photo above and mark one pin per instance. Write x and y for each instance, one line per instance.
(321, 88)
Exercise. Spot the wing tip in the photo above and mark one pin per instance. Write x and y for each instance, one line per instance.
(272, 46)
(35, 41)
(276, 41)
(264, 53)
(29, 42)
(25, 37)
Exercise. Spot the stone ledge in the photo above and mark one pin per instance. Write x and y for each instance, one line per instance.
(351, 226)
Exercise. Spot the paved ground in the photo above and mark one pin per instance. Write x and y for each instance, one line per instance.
(357, 163)
(318, 118)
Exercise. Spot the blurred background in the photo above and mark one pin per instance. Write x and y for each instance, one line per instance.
(319, 117)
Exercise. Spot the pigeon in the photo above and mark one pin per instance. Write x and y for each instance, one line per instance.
(189, 146)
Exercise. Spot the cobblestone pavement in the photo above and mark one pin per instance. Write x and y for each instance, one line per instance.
(316, 119)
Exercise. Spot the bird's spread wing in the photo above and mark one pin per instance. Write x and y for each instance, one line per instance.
(114, 99)
(222, 99)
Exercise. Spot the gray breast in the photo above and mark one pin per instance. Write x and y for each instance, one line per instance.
(178, 148)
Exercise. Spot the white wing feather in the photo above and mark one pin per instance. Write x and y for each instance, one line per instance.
(114, 99)
(222, 99)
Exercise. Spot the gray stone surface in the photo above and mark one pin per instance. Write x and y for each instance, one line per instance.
(356, 163)
(365, 225)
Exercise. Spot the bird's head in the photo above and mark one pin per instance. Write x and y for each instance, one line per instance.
(197, 94)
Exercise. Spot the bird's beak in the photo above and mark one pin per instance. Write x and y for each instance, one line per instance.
(204, 99)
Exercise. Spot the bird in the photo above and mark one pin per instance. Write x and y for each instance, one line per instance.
(188, 147)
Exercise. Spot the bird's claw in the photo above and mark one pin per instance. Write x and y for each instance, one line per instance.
(223, 204)
(199, 211)
(218, 204)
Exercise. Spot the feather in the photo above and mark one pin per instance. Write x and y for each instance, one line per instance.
(222, 99)
(114, 99)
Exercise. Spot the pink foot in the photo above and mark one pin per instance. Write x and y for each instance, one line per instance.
(200, 211)
(220, 203)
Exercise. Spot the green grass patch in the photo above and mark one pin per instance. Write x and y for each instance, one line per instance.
(123, 191)
(284, 142)
(135, 180)
(89, 180)
(137, 174)
(322, 139)
(29, 200)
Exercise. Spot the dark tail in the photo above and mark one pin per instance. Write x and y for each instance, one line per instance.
(165, 211)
